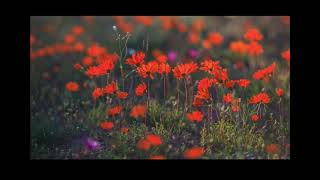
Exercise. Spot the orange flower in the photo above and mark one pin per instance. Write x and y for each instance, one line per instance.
(253, 34)
(286, 55)
(261, 97)
(87, 61)
(147, 70)
(141, 89)
(254, 118)
(164, 68)
(106, 125)
(124, 130)
(114, 111)
(143, 144)
(206, 44)
(77, 66)
(203, 94)
(183, 70)
(205, 83)
(243, 82)
(215, 38)
(136, 59)
(272, 149)
(122, 94)
(279, 91)
(228, 98)
(77, 30)
(97, 93)
(110, 88)
(198, 25)
(194, 153)
(238, 47)
(181, 27)
(195, 116)
(138, 110)
(255, 49)
(72, 86)
(262, 73)
(193, 38)
(154, 139)
(157, 157)
(69, 38)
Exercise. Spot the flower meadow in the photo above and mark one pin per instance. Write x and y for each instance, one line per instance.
(160, 87)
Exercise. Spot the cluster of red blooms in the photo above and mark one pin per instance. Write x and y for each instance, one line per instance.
(123, 25)
(260, 98)
(286, 55)
(213, 68)
(252, 48)
(235, 102)
(138, 111)
(110, 89)
(214, 38)
(168, 22)
(263, 74)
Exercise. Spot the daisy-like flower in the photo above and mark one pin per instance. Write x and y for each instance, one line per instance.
(183, 70)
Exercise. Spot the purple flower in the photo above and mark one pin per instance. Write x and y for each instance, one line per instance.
(92, 144)
(172, 56)
(193, 53)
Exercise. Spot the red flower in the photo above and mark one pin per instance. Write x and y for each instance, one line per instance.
(254, 49)
(206, 44)
(114, 111)
(194, 153)
(254, 118)
(272, 149)
(106, 125)
(87, 61)
(195, 116)
(164, 68)
(203, 94)
(286, 55)
(279, 91)
(243, 82)
(95, 50)
(228, 98)
(162, 58)
(193, 38)
(138, 110)
(78, 47)
(72, 86)
(157, 157)
(136, 59)
(183, 70)
(32, 39)
(154, 139)
(238, 47)
(253, 34)
(143, 144)
(147, 70)
(197, 102)
(141, 89)
(261, 97)
(110, 88)
(124, 130)
(262, 73)
(122, 94)
(77, 30)
(69, 38)
(230, 83)
(100, 70)
(97, 93)
(215, 38)
(77, 66)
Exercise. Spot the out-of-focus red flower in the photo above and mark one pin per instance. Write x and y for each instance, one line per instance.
(95, 50)
(122, 94)
(243, 82)
(77, 30)
(279, 91)
(124, 130)
(227, 98)
(272, 149)
(69, 39)
(195, 116)
(253, 34)
(138, 111)
(286, 55)
(114, 111)
(164, 68)
(106, 125)
(110, 88)
(143, 144)
(215, 38)
(193, 38)
(206, 44)
(77, 66)
(262, 73)
(98, 92)
(157, 157)
(155, 140)
(254, 48)
(194, 153)
(72, 86)
(78, 47)
(87, 61)
(254, 118)
(238, 47)
(141, 89)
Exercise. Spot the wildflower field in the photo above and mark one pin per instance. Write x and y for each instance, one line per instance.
(160, 87)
